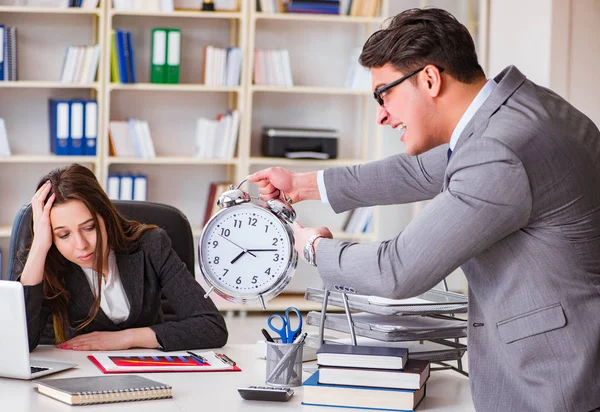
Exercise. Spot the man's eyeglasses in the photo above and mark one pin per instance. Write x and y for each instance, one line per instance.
(377, 94)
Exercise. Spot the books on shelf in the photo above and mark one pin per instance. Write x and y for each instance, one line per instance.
(222, 67)
(165, 57)
(316, 393)
(8, 53)
(314, 7)
(122, 58)
(144, 5)
(131, 138)
(73, 127)
(363, 8)
(4, 145)
(103, 389)
(60, 4)
(413, 376)
(80, 64)
(127, 187)
(217, 139)
(374, 357)
(272, 68)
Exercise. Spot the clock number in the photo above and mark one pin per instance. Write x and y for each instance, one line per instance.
(237, 223)
(239, 281)
(268, 271)
(254, 279)
(226, 270)
(252, 221)
(225, 232)
(274, 241)
(215, 243)
(276, 258)
(266, 228)
(216, 260)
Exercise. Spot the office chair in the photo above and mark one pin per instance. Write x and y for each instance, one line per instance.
(171, 219)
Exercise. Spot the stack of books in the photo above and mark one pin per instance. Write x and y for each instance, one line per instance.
(372, 377)
(314, 6)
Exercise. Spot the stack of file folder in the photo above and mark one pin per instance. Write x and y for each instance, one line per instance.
(425, 325)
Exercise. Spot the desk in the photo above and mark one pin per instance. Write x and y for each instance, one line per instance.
(196, 392)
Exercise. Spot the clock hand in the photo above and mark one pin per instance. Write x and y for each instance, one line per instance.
(235, 259)
(261, 250)
(245, 250)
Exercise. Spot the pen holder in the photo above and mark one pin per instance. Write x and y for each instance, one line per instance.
(284, 364)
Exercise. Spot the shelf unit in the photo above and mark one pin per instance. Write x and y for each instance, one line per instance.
(43, 36)
(176, 106)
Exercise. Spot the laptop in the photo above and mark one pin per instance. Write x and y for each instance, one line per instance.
(14, 343)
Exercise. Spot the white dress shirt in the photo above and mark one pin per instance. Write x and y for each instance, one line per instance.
(113, 300)
(477, 102)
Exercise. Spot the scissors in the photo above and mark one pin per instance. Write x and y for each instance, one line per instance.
(286, 332)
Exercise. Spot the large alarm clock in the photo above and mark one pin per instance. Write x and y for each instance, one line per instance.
(246, 250)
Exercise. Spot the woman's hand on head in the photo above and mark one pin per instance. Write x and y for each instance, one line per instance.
(120, 340)
(42, 229)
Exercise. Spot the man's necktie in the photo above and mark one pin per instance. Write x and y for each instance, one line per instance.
(449, 154)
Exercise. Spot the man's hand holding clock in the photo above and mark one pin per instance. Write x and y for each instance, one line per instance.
(298, 186)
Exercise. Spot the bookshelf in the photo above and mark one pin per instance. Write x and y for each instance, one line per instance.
(319, 98)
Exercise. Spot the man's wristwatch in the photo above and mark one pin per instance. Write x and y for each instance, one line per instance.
(309, 250)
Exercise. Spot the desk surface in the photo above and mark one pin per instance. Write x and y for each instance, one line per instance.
(446, 390)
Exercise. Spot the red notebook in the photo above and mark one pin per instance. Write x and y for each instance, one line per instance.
(128, 362)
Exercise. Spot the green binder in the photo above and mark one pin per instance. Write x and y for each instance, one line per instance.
(114, 58)
(173, 55)
(158, 57)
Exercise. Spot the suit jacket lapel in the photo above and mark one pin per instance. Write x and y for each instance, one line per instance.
(131, 271)
(508, 81)
(82, 297)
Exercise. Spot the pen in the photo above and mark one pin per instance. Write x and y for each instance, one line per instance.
(266, 335)
(225, 358)
(200, 358)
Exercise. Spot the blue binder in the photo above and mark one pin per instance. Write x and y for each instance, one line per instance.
(3, 40)
(122, 58)
(60, 126)
(77, 120)
(91, 128)
(130, 57)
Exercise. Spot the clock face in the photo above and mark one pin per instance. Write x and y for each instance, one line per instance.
(245, 250)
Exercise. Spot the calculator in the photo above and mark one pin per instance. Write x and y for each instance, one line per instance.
(266, 393)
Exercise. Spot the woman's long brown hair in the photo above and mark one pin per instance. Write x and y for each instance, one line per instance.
(76, 182)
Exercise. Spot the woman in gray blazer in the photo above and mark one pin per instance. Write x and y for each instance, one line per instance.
(100, 276)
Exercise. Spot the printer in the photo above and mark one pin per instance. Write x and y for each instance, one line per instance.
(299, 143)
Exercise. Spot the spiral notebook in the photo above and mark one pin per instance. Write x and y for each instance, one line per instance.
(103, 389)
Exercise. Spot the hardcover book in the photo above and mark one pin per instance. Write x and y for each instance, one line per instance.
(376, 357)
(364, 397)
(413, 376)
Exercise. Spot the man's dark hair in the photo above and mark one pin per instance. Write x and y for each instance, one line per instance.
(417, 37)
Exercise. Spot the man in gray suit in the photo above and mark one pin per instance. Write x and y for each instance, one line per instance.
(513, 172)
